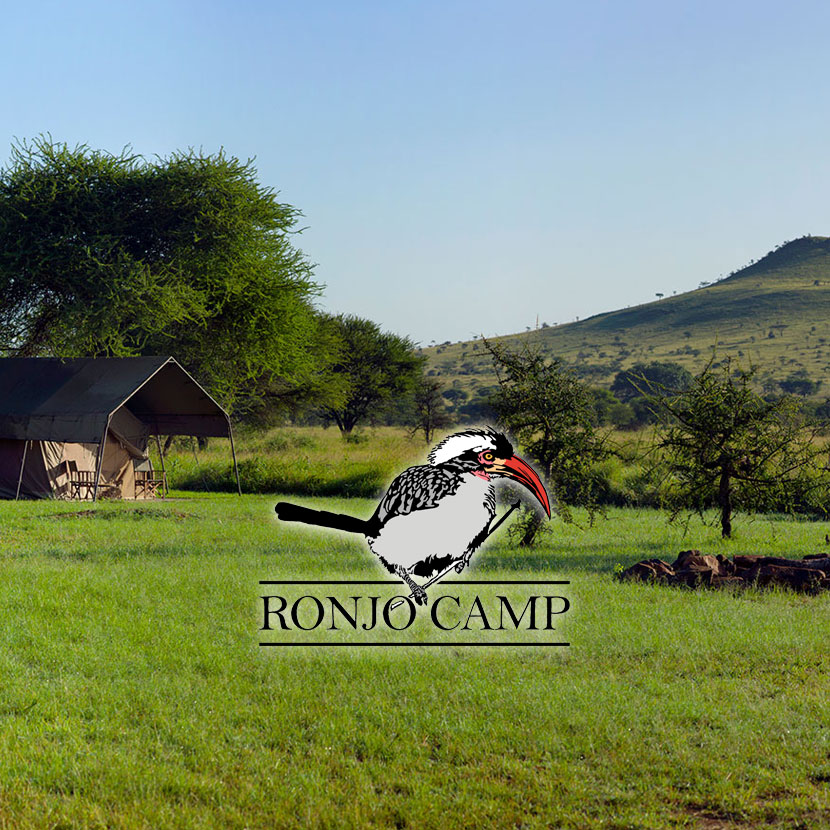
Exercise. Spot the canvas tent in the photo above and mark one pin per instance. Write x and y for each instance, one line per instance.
(66, 420)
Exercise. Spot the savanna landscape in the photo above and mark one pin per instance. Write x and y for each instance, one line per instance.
(136, 693)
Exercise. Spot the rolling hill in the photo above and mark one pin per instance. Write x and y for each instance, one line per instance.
(774, 314)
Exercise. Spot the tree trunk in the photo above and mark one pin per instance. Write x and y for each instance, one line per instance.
(530, 531)
(168, 442)
(725, 503)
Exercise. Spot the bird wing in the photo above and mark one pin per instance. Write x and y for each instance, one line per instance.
(418, 488)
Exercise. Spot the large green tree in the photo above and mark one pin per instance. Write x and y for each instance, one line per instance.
(728, 447)
(112, 254)
(372, 368)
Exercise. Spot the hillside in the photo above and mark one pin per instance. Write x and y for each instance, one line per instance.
(775, 313)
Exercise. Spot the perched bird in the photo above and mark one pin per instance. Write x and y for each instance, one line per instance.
(436, 514)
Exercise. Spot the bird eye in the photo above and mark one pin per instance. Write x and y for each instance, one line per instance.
(487, 456)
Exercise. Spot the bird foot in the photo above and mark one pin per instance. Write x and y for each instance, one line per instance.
(461, 564)
(418, 593)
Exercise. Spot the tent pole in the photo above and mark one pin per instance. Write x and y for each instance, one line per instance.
(22, 464)
(233, 453)
(99, 462)
(163, 471)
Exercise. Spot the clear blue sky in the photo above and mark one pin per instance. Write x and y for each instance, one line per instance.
(465, 165)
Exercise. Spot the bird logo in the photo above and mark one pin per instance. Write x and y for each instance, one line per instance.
(435, 516)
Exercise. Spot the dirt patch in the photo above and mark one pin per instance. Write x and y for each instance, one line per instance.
(134, 513)
(693, 569)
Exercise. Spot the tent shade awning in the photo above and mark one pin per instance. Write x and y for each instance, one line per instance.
(54, 399)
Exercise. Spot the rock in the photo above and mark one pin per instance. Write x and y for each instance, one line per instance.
(791, 563)
(661, 568)
(727, 567)
(695, 569)
(649, 569)
(798, 578)
(642, 571)
(692, 578)
(694, 560)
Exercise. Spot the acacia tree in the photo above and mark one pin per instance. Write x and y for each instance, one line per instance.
(727, 446)
(550, 412)
(430, 410)
(371, 367)
(112, 255)
(628, 384)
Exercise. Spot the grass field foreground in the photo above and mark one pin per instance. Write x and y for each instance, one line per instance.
(135, 695)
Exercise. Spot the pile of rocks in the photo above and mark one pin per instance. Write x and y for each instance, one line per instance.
(694, 569)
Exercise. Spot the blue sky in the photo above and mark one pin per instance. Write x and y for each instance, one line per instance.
(465, 166)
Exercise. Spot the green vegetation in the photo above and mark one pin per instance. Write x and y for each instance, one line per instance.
(724, 443)
(314, 461)
(370, 369)
(775, 314)
(134, 694)
(549, 412)
(302, 460)
(105, 254)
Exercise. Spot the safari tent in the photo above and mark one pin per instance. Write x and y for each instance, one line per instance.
(80, 428)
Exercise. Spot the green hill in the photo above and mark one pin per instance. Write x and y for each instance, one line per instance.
(775, 314)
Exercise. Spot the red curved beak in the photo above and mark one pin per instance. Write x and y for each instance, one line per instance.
(522, 472)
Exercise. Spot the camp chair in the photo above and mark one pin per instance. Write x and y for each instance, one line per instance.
(82, 483)
(147, 483)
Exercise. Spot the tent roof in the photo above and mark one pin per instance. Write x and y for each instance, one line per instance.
(55, 399)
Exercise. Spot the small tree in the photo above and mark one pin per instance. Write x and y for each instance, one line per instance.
(430, 410)
(727, 446)
(545, 406)
(372, 367)
(800, 383)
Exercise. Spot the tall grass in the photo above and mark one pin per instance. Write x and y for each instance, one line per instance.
(310, 461)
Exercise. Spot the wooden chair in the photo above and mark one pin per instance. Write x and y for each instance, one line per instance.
(82, 484)
(147, 484)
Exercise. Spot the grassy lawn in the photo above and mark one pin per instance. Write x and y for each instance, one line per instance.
(134, 693)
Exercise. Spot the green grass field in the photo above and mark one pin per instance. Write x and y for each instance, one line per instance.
(135, 695)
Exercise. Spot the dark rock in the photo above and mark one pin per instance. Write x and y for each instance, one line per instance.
(694, 569)
(799, 579)
(661, 568)
(693, 578)
(791, 563)
(642, 571)
(694, 560)
(650, 569)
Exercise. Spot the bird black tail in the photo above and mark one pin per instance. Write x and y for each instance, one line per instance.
(288, 512)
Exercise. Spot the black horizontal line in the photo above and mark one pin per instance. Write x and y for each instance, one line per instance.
(329, 582)
(390, 582)
(504, 582)
(416, 644)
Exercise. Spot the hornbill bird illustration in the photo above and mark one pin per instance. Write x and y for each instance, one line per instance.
(436, 515)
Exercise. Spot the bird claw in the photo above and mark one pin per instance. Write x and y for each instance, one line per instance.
(419, 595)
(462, 563)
